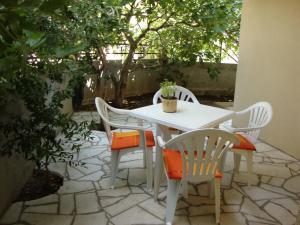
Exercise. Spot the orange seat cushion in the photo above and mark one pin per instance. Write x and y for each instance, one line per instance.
(244, 143)
(173, 164)
(130, 139)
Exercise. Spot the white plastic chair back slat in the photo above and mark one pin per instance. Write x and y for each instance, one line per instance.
(102, 108)
(201, 151)
(181, 93)
(260, 115)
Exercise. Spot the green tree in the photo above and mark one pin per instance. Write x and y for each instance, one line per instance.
(178, 30)
(34, 60)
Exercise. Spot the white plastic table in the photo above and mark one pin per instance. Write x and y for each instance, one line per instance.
(189, 116)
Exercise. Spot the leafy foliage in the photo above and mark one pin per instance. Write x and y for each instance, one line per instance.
(35, 60)
(175, 31)
(168, 89)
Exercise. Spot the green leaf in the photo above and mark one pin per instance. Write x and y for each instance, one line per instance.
(65, 51)
(34, 39)
(52, 5)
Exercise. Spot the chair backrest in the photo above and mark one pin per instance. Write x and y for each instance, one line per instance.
(181, 93)
(102, 108)
(201, 151)
(260, 115)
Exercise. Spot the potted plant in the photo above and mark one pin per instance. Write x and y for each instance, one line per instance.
(169, 101)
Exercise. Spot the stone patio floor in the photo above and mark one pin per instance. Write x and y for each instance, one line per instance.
(85, 197)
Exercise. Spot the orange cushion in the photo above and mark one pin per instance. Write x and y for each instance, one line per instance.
(244, 143)
(173, 164)
(130, 139)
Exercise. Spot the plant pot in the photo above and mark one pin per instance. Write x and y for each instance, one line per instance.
(169, 105)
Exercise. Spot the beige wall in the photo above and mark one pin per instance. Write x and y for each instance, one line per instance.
(269, 67)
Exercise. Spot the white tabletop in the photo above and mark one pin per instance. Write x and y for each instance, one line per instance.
(189, 116)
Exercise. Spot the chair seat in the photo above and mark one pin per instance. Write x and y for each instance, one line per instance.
(130, 139)
(173, 164)
(244, 144)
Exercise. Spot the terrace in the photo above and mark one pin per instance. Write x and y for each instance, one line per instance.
(267, 29)
(86, 197)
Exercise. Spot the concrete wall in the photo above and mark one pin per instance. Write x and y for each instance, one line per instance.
(268, 68)
(14, 170)
(143, 81)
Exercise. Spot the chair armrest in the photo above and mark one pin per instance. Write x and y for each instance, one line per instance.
(129, 127)
(118, 111)
(161, 142)
(241, 129)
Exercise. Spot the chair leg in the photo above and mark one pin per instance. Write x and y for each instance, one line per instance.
(237, 162)
(149, 160)
(158, 173)
(114, 167)
(185, 190)
(145, 158)
(157, 182)
(211, 189)
(249, 166)
(172, 196)
(217, 199)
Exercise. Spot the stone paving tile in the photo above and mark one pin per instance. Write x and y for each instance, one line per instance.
(254, 219)
(137, 177)
(75, 186)
(251, 208)
(86, 197)
(232, 218)
(44, 200)
(180, 220)
(202, 220)
(230, 208)
(232, 196)
(87, 203)
(277, 181)
(279, 190)
(280, 213)
(279, 155)
(126, 203)
(257, 193)
(12, 214)
(96, 176)
(201, 210)
(91, 219)
(106, 201)
(288, 204)
(104, 183)
(49, 209)
(242, 177)
(123, 191)
(293, 184)
(45, 219)
(67, 204)
(271, 170)
(135, 215)
(154, 208)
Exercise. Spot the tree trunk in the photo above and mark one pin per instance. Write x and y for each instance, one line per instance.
(118, 95)
(101, 69)
(121, 84)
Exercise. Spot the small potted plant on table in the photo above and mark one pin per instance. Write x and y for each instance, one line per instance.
(169, 101)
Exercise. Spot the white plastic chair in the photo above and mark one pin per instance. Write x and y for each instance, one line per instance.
(181, 93)
(194, 157)
(260, 114)
(126, 141)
